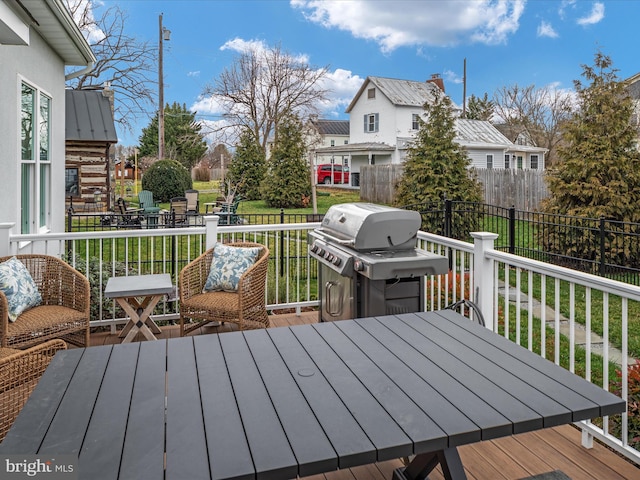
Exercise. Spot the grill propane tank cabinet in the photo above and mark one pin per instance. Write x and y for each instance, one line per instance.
(368, 262)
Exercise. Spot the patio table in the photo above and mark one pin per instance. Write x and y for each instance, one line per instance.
(138, 295)
(297, 400)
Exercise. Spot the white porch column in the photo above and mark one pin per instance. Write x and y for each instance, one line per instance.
(211, 230)
(5, 229)
(483, 277)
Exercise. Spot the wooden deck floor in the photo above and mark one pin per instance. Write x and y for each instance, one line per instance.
(509, 458)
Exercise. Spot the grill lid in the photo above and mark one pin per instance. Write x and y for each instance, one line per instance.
(368, 226)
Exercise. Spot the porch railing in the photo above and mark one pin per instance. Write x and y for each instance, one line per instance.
(577, 320)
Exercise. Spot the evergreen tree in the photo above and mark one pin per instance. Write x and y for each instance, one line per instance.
(287, 182)
(479, 108)
(436, 167)
(598, 174)
(599, 170)
(246, 170)
(183, 139)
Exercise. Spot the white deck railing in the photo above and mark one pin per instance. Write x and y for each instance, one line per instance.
(502, 285)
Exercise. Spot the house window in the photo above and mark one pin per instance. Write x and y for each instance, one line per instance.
(333, 143)
(506, 161)
(371, 93)
(71, 182)
(371, 122)
(415, 121)
(534, 162)
(346, 142)
(519, 162)
(489, 161)
(35, 161)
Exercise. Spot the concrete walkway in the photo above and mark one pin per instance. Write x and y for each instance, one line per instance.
(580, 332)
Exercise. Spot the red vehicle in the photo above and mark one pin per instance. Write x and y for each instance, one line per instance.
(340, 174)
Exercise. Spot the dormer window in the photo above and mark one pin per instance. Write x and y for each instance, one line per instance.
(371, 93)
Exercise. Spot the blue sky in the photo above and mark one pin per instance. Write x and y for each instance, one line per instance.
(505, 42)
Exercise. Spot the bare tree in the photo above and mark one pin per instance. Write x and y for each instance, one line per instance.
(262, 86)
(536, 112)
(124, 63)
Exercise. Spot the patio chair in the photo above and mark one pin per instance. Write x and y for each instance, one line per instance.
(193, 204)
(177, 212)
(20, 371)
(63, 309)
(128, 217)
(145, 200)
(228, 213)
(245, 306)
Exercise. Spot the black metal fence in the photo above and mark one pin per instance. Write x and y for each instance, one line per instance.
(608, 248)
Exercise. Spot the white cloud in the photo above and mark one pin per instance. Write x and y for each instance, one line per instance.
(595, 16)
(562, 13)
(452, 77)
(398, 23)
(342, 86)
(546, 30)
(195, 73)
(92, 33)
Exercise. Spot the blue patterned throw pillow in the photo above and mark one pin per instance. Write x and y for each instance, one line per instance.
(228, 265)
(18, 286)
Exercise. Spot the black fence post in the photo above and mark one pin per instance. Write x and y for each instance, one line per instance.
(282, 244)
(447, 217)
(603, 263)
(512, 229)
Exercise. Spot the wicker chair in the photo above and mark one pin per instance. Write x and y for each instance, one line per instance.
(20, 371)
(63, 313)
(246, 307)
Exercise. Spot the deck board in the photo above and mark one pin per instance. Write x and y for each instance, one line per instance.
(507, 458)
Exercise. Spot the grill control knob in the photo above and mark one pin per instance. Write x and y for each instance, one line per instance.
(314, 248)
(337, 261)
(358, 265)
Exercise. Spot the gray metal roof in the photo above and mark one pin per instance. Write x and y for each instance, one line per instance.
(357, 147)
(332, 127)
(89, 117)
(479, 132)
(409, 93)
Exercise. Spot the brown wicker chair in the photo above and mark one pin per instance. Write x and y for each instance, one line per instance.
(20, 371)
(246, 307)
(63, 313)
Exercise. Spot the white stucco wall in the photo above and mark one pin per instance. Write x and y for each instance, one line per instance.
(40, 66)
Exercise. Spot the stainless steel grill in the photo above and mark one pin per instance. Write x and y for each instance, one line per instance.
(369, 264)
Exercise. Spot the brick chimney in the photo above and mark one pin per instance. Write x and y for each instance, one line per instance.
(437, 80)
(108, 93)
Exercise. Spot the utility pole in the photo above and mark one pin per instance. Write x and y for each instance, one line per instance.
(163, 36)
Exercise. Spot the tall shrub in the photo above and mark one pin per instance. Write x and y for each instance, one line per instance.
(287, 182)
(248, 166)
(436, 167)
(598, 173)
(167, 179)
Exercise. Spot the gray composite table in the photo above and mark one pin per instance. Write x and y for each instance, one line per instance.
(297, 400)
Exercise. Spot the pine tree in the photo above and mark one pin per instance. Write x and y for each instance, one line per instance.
(479, 108)
(287, 182)
(183, 139)
(248, 166)
(436, 167)
(599, 169)
(598, 174)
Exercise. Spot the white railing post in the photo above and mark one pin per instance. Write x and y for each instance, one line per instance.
(5, 229)
(211, 230)
(483, 278)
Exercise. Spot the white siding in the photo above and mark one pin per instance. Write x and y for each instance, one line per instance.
(40, 66)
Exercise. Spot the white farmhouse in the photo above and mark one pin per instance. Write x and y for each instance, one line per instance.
(383, 121)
